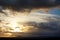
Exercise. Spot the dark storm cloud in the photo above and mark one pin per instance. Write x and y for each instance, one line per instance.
(46, 29)
(20, 4)
(51, 29)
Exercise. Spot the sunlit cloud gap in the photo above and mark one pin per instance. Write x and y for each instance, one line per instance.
(19, 21)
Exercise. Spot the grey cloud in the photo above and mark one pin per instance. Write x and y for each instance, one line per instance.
(21, 4)
(45, 29)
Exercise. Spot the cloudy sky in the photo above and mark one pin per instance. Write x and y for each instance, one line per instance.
(39, 22)
(46, 23)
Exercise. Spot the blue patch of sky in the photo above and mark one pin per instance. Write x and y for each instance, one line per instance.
(55, 11)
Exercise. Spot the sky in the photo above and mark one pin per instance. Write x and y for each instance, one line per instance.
(39, 22)
(54, 11)
(47, 24)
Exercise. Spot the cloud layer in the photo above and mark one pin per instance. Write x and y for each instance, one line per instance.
(47, 24)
